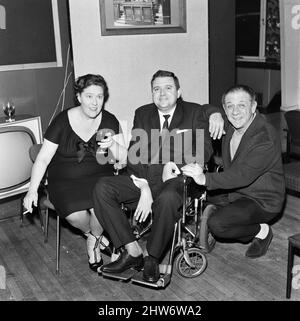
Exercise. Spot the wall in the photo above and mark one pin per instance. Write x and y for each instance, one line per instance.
(264, 81)
(36, 91)
(128, 62)
(290, 53)
(221, 48)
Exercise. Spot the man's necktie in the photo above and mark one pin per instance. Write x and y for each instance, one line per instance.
(162, 136)
(166, 123)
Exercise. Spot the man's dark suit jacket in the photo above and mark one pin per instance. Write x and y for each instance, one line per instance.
(256, 169)
(187, 116)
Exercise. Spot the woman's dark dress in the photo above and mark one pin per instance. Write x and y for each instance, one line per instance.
(71, 182)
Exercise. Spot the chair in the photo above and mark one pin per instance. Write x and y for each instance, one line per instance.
(44, 205)
(191, 240)
(292, 178)
(292, 166)
(292, 183)
(292, 118)
(294, 247)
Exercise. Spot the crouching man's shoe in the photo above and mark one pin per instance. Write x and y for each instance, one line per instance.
(151, 270)
(123, 263)
(259, 247)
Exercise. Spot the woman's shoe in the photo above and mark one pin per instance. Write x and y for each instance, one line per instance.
(94, 266)
(93, 250)
(105, 246)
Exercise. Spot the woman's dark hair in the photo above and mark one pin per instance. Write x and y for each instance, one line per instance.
(85, 81)
(165, 73)
(248, 90)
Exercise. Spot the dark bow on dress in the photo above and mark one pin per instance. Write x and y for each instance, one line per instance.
(83, 148)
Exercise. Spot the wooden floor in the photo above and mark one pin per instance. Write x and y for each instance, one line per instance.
(230, 276)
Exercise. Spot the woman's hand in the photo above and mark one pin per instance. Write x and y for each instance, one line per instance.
(29, 199)
(107, 142)
(170, 171)
(195, 171)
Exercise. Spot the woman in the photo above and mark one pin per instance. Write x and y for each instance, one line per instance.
(69, 154)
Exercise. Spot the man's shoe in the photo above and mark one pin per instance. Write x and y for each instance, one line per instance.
(123, 263)
(259, 247)
(151, 270)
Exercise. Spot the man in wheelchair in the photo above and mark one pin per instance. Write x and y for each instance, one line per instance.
(145, 182)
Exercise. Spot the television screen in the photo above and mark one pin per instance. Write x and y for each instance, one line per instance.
(15, 163)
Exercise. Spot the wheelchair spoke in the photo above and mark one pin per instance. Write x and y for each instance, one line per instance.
(198, 263)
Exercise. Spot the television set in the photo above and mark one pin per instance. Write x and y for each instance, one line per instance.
(16, 138)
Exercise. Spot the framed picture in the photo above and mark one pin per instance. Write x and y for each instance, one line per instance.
(125, 17)
(29, 34)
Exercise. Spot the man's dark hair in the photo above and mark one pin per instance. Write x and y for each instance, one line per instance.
(165, 73)
(243, 88)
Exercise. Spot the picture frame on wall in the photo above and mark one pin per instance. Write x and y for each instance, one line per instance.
(29, 34)
(132, 17)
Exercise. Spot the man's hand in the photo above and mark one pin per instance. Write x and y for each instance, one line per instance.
(195, 171)
(216, 125)
(170, 171)
(144, 206)
(139, 182)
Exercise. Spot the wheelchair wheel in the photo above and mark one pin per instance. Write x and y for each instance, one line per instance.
(207, 241)
(197, 258)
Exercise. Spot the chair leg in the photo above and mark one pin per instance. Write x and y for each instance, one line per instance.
(46, 216)
(57, 243)
(289, 270)
(41, 216)
(21, 213)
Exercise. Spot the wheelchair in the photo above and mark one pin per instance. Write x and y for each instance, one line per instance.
(190, 243)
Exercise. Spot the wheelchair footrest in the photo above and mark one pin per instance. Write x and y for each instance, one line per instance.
(123, 276)
(163, 281)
